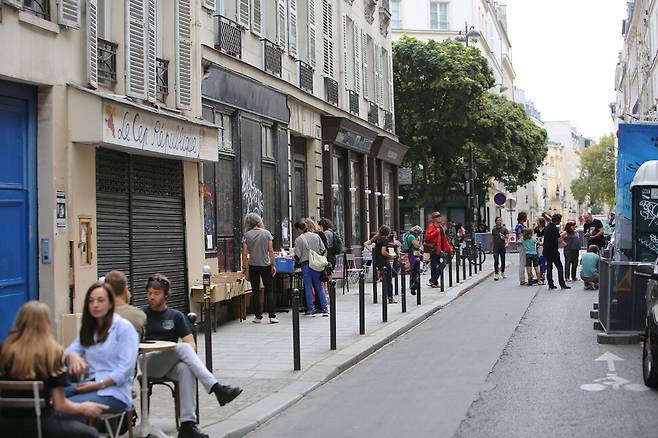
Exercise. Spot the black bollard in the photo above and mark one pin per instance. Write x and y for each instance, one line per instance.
(397, 284)
(403, 280)
(295, 330)
(362, 303)
(450, 270)
(457, 257)
(475, 264)
(332, 314)
(463, 267)
(207, 336)
(375, 271)
(193, 320)
(470, 267)
(443, 268)
(386, 284)
(418, 287)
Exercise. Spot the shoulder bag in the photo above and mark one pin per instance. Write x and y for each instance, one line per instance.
(316, 261)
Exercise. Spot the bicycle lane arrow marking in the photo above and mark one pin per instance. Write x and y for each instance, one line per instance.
(610, 358)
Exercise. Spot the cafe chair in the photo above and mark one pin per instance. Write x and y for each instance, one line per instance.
(23, 395)
(116, 423)
(352, 271)
(172, 385)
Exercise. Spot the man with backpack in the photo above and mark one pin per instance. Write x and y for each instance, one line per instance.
(334, 241)
(437, 246)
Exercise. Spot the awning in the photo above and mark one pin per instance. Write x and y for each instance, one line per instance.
(389, 150)
(348, 134)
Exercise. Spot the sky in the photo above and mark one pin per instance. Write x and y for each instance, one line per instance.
(564, 53)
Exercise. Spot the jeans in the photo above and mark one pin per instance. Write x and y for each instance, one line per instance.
(256, 273)
(53, 425)
(499, 254)
(521, 262)
(115, 406)
(414, 278)
(184, 366)
(387, 278)
(542, 264)
(554, 259)
(436, 267)
(311, 280)
(571, 262)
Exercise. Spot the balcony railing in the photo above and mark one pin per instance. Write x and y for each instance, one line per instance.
(373, 113)
(229, 37)
(271, 57)
(388, 122)
(40, 8)
(305, 76)
(162, 78)
(354, 102)
(107, 61)
(331, 90)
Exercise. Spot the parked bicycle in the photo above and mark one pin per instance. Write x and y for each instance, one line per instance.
(474, 253)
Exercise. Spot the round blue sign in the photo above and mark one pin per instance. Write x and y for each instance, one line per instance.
(500, 198)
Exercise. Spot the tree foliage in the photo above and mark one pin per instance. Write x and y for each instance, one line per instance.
(596, 183)
(443, 108)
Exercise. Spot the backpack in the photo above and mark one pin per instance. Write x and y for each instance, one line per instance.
(336, 243)
(404, 244)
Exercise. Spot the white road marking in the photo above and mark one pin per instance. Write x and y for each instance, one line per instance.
(610, 358)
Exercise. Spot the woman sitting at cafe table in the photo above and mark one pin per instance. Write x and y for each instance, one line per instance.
(104, 354)
(30, 352)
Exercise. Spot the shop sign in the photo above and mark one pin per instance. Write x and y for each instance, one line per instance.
(129, 127)
(353, 141)
(404, 176)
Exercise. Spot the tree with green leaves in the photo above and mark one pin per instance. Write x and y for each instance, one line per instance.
(596, 183)
(443, 108)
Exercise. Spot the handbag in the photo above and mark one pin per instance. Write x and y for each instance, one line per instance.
(316, 261)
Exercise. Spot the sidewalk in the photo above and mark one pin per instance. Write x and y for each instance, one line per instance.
(258, 357)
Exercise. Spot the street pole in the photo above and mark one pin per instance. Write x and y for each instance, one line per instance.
(206, 316)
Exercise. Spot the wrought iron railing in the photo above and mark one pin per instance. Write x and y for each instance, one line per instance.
(373, 113)
(229, 37)
(388, 122)
(107, 61)
(331, 90)
(162, 78)
(305, 76)
(40, 8)
(271, 57)
(354, 102)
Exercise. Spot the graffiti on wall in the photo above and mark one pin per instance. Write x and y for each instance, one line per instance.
(651, 245)
(649, 211)
(252, 196)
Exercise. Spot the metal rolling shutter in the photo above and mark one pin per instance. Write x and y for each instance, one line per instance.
(141, 222)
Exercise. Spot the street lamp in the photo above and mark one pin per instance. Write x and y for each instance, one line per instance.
(467, 33)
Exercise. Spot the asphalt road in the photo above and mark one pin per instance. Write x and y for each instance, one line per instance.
(502, 361)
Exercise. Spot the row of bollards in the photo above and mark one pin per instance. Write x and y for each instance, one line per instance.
(400, 288)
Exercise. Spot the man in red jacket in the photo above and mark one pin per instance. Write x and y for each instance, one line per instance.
(437, 244)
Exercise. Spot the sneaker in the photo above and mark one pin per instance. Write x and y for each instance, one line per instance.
(325, 312)
(430, 284)
(189, 430)
(565, 287)
(257, 320)
(496, 277)
(224, 393)
(523, 283)
(274, 320)
(309, 313)
(392, 301)
(502, 275)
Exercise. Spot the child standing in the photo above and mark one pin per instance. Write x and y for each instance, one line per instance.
(529, 244)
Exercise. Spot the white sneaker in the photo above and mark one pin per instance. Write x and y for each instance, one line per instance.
(274, 320)
(496, 277)
(503, 275)
(257, 320)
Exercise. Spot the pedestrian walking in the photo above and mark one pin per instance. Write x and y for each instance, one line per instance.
(571, 251)
(414, 255)
(589, 270)
(499, 242)
(257, 258)
(594, 231)
(539, 233)
(384, 257)
(551, 252)
(519, 229)
(437, 245)
(529, 244)
(304, 244)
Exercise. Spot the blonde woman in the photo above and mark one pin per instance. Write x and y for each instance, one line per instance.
(30, 352)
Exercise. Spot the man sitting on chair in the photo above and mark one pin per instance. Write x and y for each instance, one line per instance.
(181, 364)
(119, 284)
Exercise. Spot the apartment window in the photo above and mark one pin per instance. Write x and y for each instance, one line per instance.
(40, 8)
(396, 21)
(439, 16)
(223, 121)
(267, 143)
(103, 19)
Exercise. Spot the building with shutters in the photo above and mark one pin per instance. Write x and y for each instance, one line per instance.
(302, 92)
(102, 148)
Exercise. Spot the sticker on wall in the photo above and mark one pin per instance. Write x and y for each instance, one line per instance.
(61, 209)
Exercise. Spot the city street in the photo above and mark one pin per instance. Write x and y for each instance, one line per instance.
(502, 361)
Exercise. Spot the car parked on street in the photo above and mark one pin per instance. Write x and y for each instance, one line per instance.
(650, 344)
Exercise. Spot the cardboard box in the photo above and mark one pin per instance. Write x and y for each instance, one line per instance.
(223, 286)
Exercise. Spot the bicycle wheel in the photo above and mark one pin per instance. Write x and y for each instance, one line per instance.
(483, 256)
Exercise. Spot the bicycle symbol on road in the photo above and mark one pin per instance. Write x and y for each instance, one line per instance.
(612, 380)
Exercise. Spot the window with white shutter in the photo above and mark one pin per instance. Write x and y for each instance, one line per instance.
(183, 33)
(327, 38)
(391, 103)
(357, 59)
(281, 30)
(208, 4)
(364, 57)
(136, 66)
(311, 33)
(257, 17)
(292, 27)
(68, 13)
(243, 13)
(347, 78)
(152, 49)
(92, 43)
(377, 67)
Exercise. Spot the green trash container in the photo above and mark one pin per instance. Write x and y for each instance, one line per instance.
(645, 212)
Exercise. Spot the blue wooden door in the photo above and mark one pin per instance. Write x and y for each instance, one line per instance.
(18, 254)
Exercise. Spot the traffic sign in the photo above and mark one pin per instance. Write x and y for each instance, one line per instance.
(470, 174)
(499, 199)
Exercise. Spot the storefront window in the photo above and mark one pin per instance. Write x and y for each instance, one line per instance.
(337, 194)
(386, 196)
(355, 201)
(225, 215)
(267, 143)
(269, 195)
(209, 211)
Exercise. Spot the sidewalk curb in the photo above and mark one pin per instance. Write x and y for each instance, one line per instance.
(320, 373)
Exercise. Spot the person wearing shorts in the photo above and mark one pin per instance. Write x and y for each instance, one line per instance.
(529, 244)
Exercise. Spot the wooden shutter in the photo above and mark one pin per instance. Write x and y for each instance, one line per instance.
(151, 52)
(311, 33)
(281, 13)
(345, 58)
(327, 38)
(183, 34)
(357, 60)
(243, 13)
(92, 43)
(364, 59)
(136, 65)
(292, 27)
(208, 4)
(68, 13)
(257, 17)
